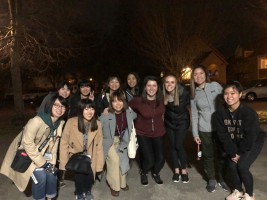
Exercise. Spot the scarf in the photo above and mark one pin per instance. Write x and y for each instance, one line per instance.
(48, 121)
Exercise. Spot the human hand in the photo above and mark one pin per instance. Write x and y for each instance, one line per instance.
(91, 96)
(197, 139)
(105, 112)
(236, 158)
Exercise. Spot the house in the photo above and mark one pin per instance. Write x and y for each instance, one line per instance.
(249, 62)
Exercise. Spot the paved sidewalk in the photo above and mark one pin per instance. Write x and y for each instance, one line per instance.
(194, 190)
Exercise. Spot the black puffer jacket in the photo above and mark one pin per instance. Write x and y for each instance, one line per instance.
(176, 116)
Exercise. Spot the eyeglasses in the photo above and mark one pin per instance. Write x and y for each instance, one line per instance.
(57, 106)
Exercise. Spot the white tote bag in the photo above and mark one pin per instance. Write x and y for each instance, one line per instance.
(133, 145)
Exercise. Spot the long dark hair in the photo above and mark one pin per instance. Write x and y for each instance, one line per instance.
(138, 83)
(192, 82)
(144, 94)
(82, 104)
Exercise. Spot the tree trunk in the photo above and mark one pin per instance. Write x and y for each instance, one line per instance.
(14, 8)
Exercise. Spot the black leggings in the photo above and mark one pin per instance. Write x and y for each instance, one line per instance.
(240, 171)
(177, 138)
(151, 154)
(83, 183)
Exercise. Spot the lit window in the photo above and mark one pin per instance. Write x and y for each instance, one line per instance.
(263, 63)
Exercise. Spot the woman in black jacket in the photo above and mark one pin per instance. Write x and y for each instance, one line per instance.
(177, 121)
(241, 138)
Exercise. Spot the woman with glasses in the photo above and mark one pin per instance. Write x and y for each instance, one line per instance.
(40, 138)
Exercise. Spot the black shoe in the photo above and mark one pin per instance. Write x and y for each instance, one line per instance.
(224, 186)
(144, 179)
(157, 178)
(211, 186)
(185, 178)
(176, 178)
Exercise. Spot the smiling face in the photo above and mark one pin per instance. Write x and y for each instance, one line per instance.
(117, 105)
(88, 113)
(131, 80)
(151, 89)
(232, 98)
(199, 76)
(64, 92)
(170, 84)
(58, 109)
(85, 90)
(114, 84)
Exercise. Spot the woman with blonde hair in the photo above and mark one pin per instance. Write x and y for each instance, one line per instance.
(177, 121)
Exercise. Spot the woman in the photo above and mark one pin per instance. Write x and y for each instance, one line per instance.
(40, 140)
(240, 135)
(117, 126)
(177, 121)
(83, 134)
(132, 86)
(64, 90)
(204, 95)
(150, 129)
(102, 101)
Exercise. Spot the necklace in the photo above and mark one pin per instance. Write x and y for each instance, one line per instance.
(152, 115)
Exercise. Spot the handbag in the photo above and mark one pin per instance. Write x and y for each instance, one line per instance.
(22, 161)
(79, 163)
(133, 144)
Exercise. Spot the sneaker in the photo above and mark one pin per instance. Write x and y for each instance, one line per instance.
(157, 178)
(89, 196)
(247, 197)
(79, 197)
(236, 195)
(211, 187)
(176, 178)
(185, 178)
(224, 186)
(144, 179)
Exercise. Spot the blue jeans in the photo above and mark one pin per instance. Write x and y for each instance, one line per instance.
(46, 186)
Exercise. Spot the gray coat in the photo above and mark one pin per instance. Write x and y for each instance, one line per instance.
(109, 124)
(203, 106)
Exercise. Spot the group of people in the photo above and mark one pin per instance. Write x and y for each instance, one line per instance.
(100, 127)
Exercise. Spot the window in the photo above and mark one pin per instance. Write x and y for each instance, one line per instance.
(263, 62)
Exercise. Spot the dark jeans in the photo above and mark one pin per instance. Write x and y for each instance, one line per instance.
(83, 183)
(240, 171)
(212, 156)
(177, 138)
(151, 154)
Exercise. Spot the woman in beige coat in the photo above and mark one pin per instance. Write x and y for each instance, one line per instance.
(35, 133)
(80, 131)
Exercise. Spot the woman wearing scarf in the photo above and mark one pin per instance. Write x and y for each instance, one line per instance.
(40, 140)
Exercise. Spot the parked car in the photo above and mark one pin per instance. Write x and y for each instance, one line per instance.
(255, 89)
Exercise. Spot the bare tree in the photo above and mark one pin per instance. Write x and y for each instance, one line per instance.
(174, 34)
(40, 37)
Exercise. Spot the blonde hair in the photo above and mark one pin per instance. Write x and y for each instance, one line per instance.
(166, 93)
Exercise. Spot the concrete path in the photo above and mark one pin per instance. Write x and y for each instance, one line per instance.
(194, 190)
